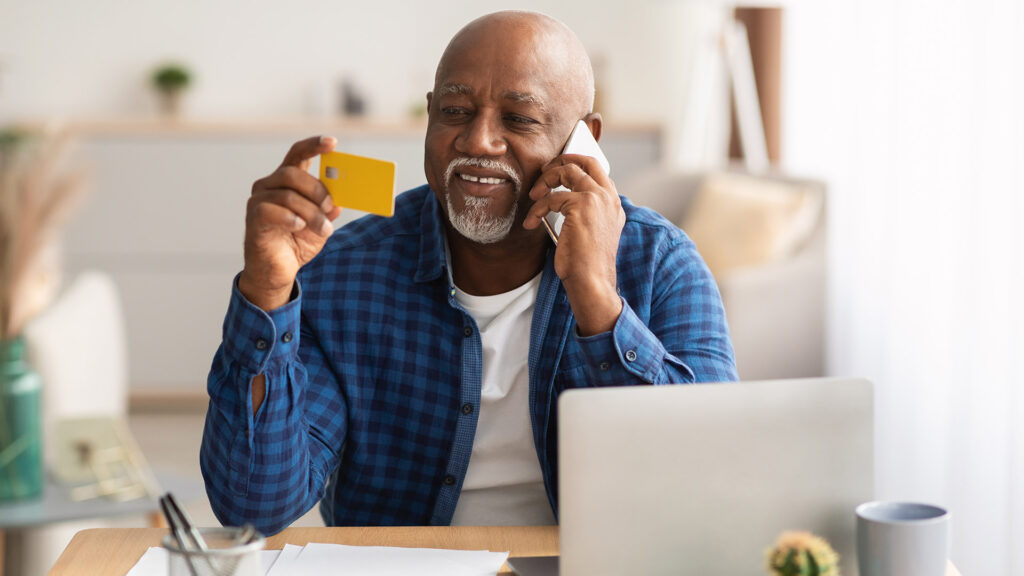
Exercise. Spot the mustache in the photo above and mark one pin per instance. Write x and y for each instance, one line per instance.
(487, 164)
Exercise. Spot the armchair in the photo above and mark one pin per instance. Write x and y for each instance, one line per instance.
(764, 238)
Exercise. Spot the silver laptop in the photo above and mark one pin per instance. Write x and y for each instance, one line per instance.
(701, 479)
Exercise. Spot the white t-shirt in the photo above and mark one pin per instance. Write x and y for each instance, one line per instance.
(504, 485)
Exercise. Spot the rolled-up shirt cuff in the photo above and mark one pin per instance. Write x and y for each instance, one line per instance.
(255, 338)
(626, 352)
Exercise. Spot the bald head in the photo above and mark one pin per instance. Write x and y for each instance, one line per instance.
(547, 46)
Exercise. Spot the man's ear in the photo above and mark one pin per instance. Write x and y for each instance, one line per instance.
(594, 122)
(430, 96)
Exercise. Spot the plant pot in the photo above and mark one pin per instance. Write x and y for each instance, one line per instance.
(21, 463)
(171, 102)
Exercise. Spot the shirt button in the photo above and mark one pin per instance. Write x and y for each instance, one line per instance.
(630, 355)
(467, 408)
(261, 344)
(449, 480)
(467, 331)
(604, 366)
(287, 337)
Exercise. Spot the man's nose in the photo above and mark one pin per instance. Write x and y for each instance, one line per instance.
(482, 136)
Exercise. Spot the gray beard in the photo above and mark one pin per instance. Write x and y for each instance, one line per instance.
(473, 222)
(476, 224)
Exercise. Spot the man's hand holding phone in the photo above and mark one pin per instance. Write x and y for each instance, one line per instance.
(589, 237)
(288, 220)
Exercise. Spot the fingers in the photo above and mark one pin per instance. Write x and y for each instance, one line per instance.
(303, 198)
(581, 175)
(299, 180)
(574, 171)
(291, 198)
(555, 201)
(304, 150)
(287, 209)
(268, 215)
(589, 164)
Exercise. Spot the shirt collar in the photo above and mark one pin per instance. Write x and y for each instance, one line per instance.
(432, 260)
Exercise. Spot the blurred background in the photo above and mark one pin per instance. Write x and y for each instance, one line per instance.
(852, 170)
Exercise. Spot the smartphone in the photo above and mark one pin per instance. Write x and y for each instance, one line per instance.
(582, 142)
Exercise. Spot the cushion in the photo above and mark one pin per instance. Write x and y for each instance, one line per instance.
(739, 221)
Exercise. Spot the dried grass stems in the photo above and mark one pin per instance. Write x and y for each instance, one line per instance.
(38, 192)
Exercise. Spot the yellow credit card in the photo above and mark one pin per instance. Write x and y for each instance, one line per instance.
(359, 182)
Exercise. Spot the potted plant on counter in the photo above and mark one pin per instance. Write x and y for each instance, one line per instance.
(802, 554)
(171, 81)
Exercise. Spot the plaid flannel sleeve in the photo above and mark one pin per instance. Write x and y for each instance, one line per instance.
(685, 339)
(269, 468)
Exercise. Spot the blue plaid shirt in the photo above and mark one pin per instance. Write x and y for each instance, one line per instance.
(373, 370)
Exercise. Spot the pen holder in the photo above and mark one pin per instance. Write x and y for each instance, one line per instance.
(226, 554)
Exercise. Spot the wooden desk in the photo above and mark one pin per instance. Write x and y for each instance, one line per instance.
(113, 551)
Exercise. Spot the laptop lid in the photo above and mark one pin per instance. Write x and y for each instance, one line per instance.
(701, 479)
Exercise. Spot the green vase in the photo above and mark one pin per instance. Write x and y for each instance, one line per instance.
(21, 463)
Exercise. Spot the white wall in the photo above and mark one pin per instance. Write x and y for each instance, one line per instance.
(277, 58)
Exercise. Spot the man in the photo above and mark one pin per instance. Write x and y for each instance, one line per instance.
(405, 371)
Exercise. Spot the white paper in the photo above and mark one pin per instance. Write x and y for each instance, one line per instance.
(283, 564)
(154, 562)
(388, 561)
(324, 559)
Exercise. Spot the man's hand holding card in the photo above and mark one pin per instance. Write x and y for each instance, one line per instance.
(359, 183)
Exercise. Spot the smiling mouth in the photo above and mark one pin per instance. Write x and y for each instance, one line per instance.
(482, 180)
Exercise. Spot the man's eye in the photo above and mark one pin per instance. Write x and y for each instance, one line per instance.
(517, 119)
(454, 110)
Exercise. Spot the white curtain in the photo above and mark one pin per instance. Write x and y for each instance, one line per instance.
(913, 111)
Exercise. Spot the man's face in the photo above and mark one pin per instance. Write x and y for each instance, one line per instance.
(496, 117)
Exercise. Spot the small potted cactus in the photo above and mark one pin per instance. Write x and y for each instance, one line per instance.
(802, 554)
